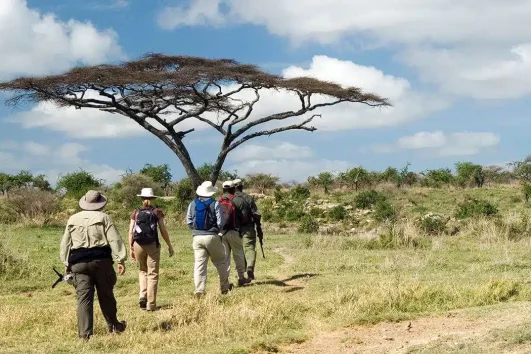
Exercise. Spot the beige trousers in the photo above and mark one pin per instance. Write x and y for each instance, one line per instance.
(205, 247)
(233, 243)
(148, 258)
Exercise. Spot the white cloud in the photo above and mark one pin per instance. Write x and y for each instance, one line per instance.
(406, 21)
(282, 150)
(285, 160)
(52, 160)
(479, 49)
(32, 43)
(77, 123)
(439, 144)
(199, 12)
(290, 169)
(408, 105)
(480, 73)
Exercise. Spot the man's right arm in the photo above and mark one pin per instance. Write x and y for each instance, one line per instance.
(66, 244)
(115, 242)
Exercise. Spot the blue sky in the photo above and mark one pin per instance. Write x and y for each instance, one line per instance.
(458, 94)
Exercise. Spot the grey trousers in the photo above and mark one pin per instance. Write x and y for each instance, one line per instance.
(206, 247)
(99, 276)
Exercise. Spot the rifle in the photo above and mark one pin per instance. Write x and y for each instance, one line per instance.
(260, 235)
(60, 277)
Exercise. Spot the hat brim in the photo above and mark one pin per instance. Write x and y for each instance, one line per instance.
(203, 193)
(92, 206)
(147, 196)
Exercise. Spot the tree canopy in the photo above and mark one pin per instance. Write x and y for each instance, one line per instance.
(160, 92)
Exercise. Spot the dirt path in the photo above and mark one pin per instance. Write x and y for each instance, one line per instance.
(452, 331)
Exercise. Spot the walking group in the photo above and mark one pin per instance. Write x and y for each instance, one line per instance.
(91, 244)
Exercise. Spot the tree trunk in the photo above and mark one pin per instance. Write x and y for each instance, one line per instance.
(218, 165)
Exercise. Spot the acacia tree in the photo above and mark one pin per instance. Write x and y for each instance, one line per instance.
(160, 92)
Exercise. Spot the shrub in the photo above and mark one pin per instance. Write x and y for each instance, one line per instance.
(473, 207)
(308, 225)
(76, 184)
(33, 205)
(126, 191)
(337, 213)
(300, 193)
(433, 223)
(526, 190)
(400, 235)
(11, 265)
(184, 193)
(367, 198)
(384, 211)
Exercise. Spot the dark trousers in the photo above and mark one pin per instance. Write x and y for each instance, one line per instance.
(99, 276)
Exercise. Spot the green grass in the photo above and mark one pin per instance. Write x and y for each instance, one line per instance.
(306, 285)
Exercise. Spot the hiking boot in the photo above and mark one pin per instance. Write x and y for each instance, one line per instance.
(244, 281)
(199, 295)
(250, 274)
(118, 327)
(143, 303)
(231, 286)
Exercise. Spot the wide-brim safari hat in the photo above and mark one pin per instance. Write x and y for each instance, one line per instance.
(93, 200)
(206, 189)
(237, 182)
(147, 193)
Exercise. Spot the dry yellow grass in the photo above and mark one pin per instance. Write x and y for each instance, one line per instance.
(307, 285)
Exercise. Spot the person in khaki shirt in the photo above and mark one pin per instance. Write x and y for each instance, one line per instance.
(89, 247)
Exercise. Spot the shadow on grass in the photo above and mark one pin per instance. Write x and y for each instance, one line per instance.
(284, 282)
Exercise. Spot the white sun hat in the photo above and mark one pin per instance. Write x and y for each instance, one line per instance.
(147, 193)
(228, 184)
(206, 189)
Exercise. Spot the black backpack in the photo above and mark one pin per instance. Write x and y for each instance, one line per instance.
(145, 230)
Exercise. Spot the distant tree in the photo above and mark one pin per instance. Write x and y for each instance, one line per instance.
(356, 177)
(22, 179)
(76, 184)
(323, 180)
(437, 178)
(468, 174)
(159, 173)
(206, 170)
(522, 171)
(390, 174)
(127, 189)
(261, 181)
(5, 183)
(41, 183)
(406, 177)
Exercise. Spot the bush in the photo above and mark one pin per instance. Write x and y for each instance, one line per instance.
(33, 205)
(526, 190)
(366, 199)
(337, 213)
(308, 225)
(473, 207)
(11, 265)
(184, 193)
(300, 193)
(384, 211)
(126, 191)
(433, 223)
(76, 184)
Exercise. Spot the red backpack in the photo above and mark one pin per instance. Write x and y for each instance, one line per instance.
(228, 212)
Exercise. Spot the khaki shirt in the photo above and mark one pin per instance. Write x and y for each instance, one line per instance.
(88, 229)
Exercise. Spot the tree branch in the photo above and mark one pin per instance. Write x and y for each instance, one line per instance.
(300, 126)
